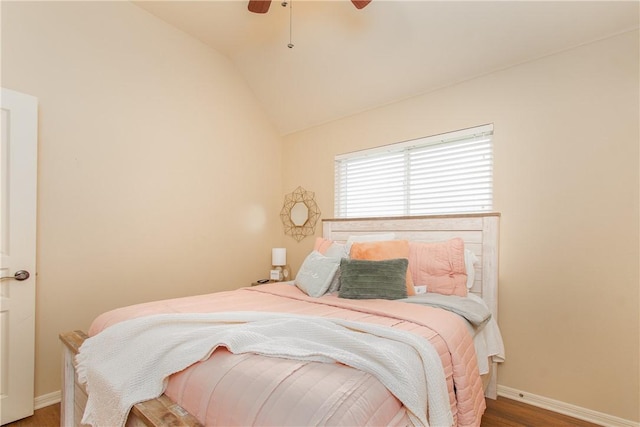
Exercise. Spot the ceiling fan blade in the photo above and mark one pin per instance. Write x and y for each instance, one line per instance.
(359, 4)
(259, 6)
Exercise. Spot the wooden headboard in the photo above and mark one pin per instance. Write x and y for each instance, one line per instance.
(480, 233)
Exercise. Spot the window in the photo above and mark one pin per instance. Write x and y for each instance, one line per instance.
(447, 173)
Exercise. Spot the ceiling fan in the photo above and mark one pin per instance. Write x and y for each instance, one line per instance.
(262, 6)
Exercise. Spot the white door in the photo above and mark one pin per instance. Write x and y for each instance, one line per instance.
(18, 170)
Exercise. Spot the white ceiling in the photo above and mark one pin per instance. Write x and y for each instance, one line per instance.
(347, 60)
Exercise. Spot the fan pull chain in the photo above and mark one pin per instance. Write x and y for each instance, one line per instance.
(284, 4)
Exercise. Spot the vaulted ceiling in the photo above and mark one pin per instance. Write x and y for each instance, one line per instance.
(346, 60)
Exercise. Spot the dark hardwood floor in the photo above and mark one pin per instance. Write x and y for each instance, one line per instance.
(500, 413)
(511, 413)
(48, 416)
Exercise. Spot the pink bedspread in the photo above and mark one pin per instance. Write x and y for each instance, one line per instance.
(232, 389)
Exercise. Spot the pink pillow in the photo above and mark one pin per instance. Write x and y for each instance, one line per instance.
(321, 245)
(440, 266)
(383, 250)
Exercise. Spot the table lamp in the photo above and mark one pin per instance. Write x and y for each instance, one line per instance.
(280, 269)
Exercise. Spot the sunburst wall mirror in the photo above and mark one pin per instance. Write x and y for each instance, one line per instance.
(299, 213)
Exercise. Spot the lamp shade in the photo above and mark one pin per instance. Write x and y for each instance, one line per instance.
(279, 256)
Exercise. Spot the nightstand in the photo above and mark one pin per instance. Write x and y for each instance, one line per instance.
(258, 284)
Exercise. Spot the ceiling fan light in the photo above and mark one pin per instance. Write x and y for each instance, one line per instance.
(259, 6)
(359, 4)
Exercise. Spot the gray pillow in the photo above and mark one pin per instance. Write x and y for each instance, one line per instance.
(316, 273)
(335, 283)
(366, 279)
(336, 250)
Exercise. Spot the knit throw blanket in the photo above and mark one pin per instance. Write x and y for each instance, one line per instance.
(131, 361)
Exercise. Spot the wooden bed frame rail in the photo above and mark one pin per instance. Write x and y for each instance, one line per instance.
(160, 412)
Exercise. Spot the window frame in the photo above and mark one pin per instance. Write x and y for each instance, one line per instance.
(463, 142)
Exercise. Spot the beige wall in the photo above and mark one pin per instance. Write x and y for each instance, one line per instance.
(566, 182)
(158, 171)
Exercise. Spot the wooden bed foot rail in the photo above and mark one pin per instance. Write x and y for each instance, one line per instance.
(160, 412)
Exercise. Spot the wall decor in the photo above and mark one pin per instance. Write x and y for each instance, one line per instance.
(299, 213)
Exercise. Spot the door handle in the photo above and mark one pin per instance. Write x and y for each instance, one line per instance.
(20, 275)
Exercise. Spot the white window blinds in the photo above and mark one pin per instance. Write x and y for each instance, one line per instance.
(447, 173)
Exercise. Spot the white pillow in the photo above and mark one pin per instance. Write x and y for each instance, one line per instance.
(316, 273)
(470, 260)
(337, 250)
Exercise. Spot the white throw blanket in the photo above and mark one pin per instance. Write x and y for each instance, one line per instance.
(131, 361)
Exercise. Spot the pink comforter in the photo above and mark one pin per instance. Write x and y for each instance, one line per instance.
(232, 389)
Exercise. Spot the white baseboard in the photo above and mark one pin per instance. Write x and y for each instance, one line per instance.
(47, 399)
(565, 408)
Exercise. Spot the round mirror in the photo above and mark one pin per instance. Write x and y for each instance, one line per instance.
(299, 214)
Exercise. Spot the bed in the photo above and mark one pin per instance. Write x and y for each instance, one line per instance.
(251, 387)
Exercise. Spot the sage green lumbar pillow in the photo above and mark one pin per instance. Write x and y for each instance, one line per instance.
(366, 279)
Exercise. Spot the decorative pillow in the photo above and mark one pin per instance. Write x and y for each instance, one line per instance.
(330, 248)
(334, 286)
(316, 273)
(470, 259)
(390, 249)
(321, 245)
(440, 266)
(368, 238)
(365, 279)
(336, 250)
